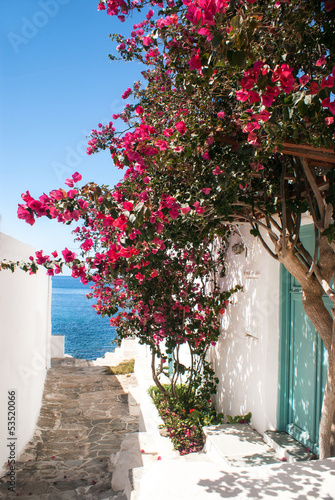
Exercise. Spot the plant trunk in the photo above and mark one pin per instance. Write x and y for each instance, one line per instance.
(154, 374)
(326, 432)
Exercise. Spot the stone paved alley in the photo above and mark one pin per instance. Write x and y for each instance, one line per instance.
(83, 420)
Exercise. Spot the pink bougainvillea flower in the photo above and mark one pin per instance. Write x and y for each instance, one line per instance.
(25, 215)
(195, 61)
(242, 95)
(314, 88)
(161, 144)
(284, 74)
(206, 190)
(76, 176)
(252, 138)
(72, 193)
(147, 41)
(222, 310)
(198, 208)
(322, 61)
(181, 127)
(174, 212)
(329, 120)
(256, 166)
(57, 194)
(128, 205)
(221, 114)
(87, 245)
(68, 255)
(253, 97)
(154, 273)
(270, 95)
(41, 259)
(139, 110)
(332, 107)
(206, 32)
(217, 170)
(185, 210)
(168, 132)
(327, 82)
(263, 115)
(69, 182)
(126, 93)
(326, 103)
(159, 458)
(303, 80)
(54, 254)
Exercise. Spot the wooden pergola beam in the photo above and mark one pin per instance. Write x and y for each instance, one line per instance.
(315, 156)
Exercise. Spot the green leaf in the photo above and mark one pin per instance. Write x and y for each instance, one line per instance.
(240, 40)
(302, 108)
(236, 22)
(239, 58)
(217, 40)
(189, 89)
(208, 71)
(254, 232)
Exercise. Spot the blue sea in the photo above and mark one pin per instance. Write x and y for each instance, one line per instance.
(87, 335)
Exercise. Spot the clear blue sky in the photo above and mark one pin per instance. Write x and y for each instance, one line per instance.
(57, 84)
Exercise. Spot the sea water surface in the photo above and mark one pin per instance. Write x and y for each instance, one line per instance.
(87, 335)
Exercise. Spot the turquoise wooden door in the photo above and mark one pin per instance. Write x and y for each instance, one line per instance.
(303, 362)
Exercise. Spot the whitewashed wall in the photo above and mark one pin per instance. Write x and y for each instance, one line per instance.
(246, 356)
(25, 329)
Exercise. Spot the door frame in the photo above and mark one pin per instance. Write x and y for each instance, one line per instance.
(285, 350)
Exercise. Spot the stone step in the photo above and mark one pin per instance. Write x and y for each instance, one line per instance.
(238, 445)
(88, 478)
(288, 447)
(83, 420)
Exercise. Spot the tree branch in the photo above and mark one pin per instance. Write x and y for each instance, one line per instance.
(315, 189)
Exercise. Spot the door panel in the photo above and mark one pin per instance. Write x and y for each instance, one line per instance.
(303, 375)
(303, 362)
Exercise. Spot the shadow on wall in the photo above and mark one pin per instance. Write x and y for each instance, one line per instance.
(246, 356)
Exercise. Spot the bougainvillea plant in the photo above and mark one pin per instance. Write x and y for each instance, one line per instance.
(230, 89)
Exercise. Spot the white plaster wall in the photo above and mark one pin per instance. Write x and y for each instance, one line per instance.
(57, 346)
(246, 356)
(25, 329)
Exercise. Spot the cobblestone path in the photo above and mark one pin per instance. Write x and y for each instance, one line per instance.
(83, 420)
